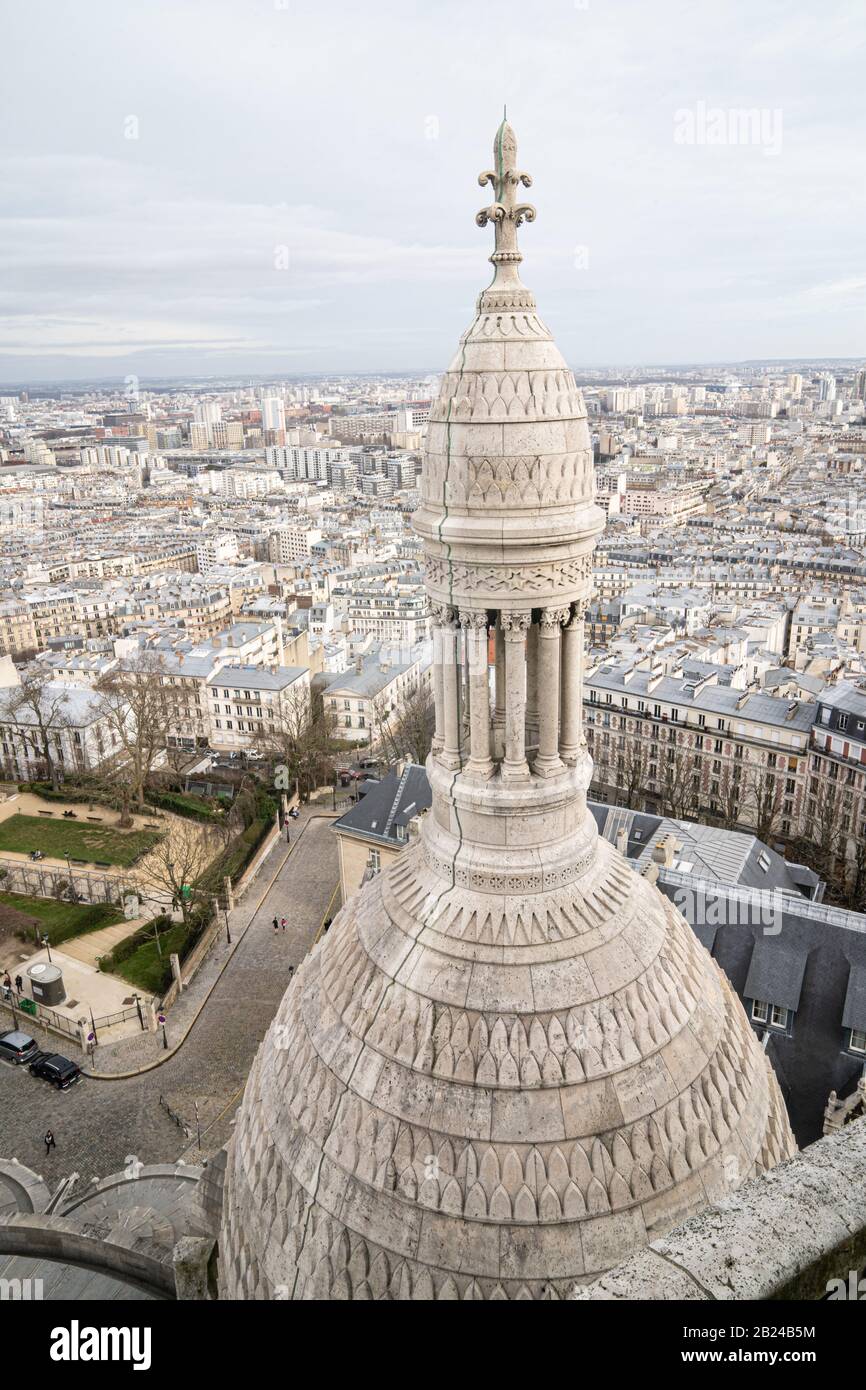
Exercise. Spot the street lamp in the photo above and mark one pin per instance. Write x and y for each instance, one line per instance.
(47, 944)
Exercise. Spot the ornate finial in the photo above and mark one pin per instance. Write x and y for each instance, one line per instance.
(505, 213)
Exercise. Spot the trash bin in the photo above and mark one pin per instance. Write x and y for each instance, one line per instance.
(27, 1006)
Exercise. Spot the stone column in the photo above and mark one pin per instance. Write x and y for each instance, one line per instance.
(439, 614)
(450, 754)
(532, 684)
(474, 624)
(515, 627)
(571, 686)
(499, 691)
(548, 760)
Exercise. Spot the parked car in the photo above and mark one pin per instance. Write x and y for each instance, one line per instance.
(18, 1047)
(58, 1070)
(254, 756)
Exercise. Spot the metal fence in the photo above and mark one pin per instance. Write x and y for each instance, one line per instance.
(24, 1009)
(42, 881)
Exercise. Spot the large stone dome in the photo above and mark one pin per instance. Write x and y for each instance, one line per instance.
(510, 1062)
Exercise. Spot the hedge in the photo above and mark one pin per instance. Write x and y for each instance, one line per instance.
(66, 793)
(182, 804)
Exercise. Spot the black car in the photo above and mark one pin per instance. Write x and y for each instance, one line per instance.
(59, 1070)
(17, 1047)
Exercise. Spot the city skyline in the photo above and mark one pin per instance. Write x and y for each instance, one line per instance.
(196, 205)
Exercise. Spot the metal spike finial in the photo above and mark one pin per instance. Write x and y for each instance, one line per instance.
(505, 213)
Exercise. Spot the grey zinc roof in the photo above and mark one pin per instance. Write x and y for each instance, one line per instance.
(854, 1012)
(848, 697)
(763, 709)
(367, 682)
(256, 677)
(394, 802)
(776, 973)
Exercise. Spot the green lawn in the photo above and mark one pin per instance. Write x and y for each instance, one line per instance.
(144, 969)
(57, 838)
(63, 920)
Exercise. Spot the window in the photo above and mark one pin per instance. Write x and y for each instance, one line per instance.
(843, 722)
(858, 1040)
(772, 1014)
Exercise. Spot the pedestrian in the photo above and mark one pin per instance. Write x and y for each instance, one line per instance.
(49, 1142)
(7, 981)
(19, 984)
(327, 922)
(276, 924)
(291, 971)
(283, 923)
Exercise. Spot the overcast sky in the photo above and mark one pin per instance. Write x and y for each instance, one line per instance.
(301, 193)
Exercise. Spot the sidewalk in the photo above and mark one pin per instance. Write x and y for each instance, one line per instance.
(145, 1049)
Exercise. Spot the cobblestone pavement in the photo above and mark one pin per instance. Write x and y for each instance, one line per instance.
(99, 1124)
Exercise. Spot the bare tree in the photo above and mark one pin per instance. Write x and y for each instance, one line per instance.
(41, 716)
(300, 741)
(405, 730)
(633, 770)
(857, 891)
(175, 868)
(822, 844)
(139, 707)
(730, 795)
(764, 796)
(603, 774)
(677, 781)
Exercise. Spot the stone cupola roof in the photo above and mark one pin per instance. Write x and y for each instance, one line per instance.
(509, 1063)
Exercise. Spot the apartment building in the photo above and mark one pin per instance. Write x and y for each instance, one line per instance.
(80, 738)
(393, 613)
(250, 704)
(289, 544)
(688, 746)
(366, 700)
(836, 804)
(17, 628)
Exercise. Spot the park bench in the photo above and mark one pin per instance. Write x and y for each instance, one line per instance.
(82, 863)
(96, 819)
(100, 865)
(46, 813)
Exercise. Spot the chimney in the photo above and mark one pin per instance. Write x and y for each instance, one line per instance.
(622, 840)
(359, 665)
(664, 851)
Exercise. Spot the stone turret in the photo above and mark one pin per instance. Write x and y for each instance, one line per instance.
(510, 1062)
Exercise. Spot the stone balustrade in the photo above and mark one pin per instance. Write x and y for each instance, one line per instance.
(788, 1234)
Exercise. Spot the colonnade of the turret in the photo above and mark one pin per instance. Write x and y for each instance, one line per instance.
(531, 722)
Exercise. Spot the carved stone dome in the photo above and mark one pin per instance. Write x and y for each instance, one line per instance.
(510, 1062)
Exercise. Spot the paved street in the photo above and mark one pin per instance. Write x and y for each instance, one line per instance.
(99, 1124)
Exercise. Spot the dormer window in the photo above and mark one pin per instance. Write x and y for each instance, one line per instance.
(771, 1014)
